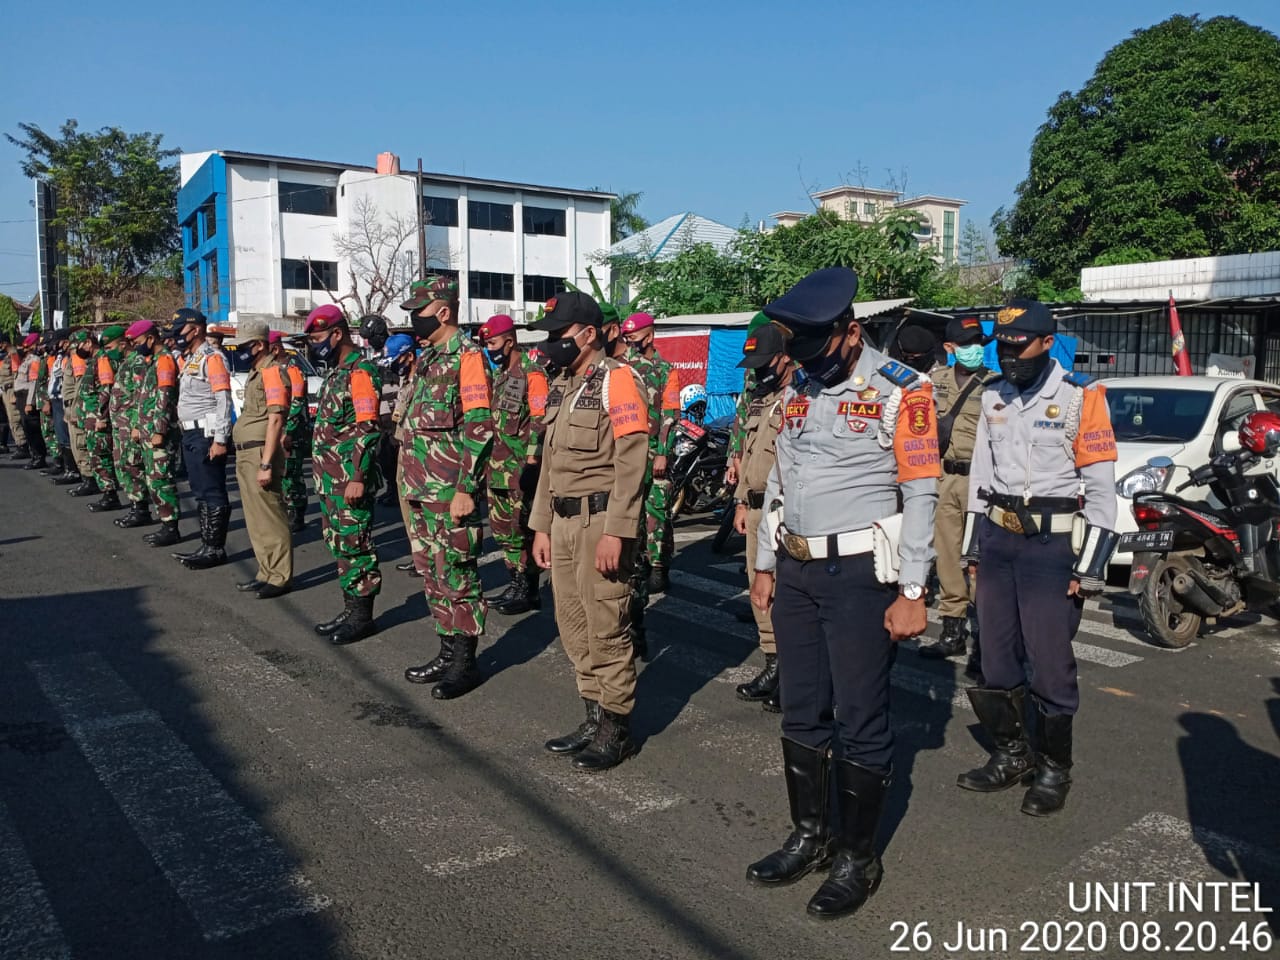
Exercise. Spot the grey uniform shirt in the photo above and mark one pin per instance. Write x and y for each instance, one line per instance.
(204, 390)
(841, 453)
(1054, 440)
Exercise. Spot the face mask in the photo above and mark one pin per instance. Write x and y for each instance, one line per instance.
(1023, 373)
(827, 369)
(496, 357)
(143, 349)
(256, 355)
(320, 351)
(424, 327)
(970, 356)
(180, 342)
(767, 381)
(561, 353)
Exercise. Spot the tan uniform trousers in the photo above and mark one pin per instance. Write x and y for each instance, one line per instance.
(79, 442)
(14, 416)
(948, 541)
(593, 613)
(764, 620)
(264, 516)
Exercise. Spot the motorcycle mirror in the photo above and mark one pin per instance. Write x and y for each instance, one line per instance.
(1160, 463)
(1230, 442)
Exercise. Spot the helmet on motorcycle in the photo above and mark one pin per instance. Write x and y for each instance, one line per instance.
(693, 402)
(1260, 433)
(373, 328)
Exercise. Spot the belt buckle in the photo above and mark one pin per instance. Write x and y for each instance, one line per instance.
(797, 546)
(1009, 520)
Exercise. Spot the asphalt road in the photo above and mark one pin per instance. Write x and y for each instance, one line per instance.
(188, 773)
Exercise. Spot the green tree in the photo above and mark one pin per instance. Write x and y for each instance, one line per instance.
(1171, 149)
(8, 316)
(624, 216)
(117, 203)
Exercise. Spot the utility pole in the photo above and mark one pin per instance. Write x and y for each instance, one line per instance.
(422, 229)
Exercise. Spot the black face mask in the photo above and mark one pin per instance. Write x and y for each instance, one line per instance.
(1023, 373)
(497, 357)
(827, 369)
(767, 381)
(424, 327)
(919, 362)
(180, 342)
(320, 352)
(143, 349)
(561, 353)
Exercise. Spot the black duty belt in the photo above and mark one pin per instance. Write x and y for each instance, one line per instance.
(251, 445)
(1008, 501)
(572, 506)
(958, 467)
(755, 500)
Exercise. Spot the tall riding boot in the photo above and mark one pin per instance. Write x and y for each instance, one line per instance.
(433, 669)
(658, 580)
(610, 746)
(460, 676)
(139, 515)
(166, 536)
(22, 453)
(1048, 792)
(856, 870)
(202, 517)
(579, 739)
(973, 669)
(215, 555)
(348, 607)
(954, 633)
(110, 501)
(764, 682)
(88, 487)
(635, 630)
(806, 770)
(1000, 713)
(358, 625)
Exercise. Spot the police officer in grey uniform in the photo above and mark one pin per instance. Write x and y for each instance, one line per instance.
(1039, 535)
(858, 446)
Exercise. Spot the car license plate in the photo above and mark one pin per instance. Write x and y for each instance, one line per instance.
(1145, 540)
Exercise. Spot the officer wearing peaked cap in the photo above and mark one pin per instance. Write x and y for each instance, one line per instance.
(857, 468)
(1044, 436)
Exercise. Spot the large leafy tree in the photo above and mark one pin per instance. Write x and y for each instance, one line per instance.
(117, 203)
(624, 216)
(1172, 149)
(8, 317)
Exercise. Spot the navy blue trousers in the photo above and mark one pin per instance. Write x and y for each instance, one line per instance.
(834, 656)
(1026, 617)
(208, 478)
(60, 424)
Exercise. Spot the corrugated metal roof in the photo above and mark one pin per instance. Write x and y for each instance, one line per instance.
(667, 238)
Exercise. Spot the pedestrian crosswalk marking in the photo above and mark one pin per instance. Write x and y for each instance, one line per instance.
(232, 876)
(28, 927)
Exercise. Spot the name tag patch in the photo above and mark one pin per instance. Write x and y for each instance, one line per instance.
(851, 408)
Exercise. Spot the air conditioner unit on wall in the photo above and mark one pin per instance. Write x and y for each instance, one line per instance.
(302, 305)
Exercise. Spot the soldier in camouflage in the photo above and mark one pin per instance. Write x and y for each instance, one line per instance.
(85, 348)
(61, 379)
(128, 451)
(448, 433)
(45, 379)
(297, 434)
(343, 463)
(97, 420)
(153, 420)
(519, 401)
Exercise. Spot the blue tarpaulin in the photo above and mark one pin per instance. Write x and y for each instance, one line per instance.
(724, 376)
(1063, 350)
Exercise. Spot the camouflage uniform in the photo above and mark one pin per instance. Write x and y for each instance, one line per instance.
(662, 381)
(41, 393)
(128, 452)
(297, 431)
(97, 408)
(649, 379)
(343, 449)
(155, 413)
(738, 434)
(448, 430)
(519, 402)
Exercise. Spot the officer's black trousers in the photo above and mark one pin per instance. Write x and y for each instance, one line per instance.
(31, 426)
(208, 478)
(834, 657)
(1027, 619)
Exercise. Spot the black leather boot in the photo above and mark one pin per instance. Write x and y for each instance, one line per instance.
(22, 453)
(610, 746)
(348, 605)
(358, 625)
(578, 740)
(166, 536)
(533, 586)
(1000, 713)
(58, 468)
(36, 463)
(71, 473)
(658, 580)
(955, 631)
(460, 676)
(88, 487)
(202, 517)
(1048, 792)
(213, 553)
(139, 515)
(773, 702)
(433, 669)
(973, 669)
(508, 591)
(806, 770)
(297, 518)
(635, 629)
(110, 501)
(762, 686)
(856, 871)
(520, 601)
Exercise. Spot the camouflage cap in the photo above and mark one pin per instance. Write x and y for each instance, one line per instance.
(423, 293)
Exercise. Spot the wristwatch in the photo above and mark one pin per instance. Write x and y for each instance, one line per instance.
(264, 466)
(912, 591)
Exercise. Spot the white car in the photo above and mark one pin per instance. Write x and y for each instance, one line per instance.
(1182, 418)
(239, 362)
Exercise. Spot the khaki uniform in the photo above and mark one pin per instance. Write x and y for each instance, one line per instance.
(595, 448)
(74, 368)
(763, 420)
(13, 413)
(953, 489)
(266, 391)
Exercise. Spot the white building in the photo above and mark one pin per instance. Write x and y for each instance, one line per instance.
(1195, 279)
(261, 235)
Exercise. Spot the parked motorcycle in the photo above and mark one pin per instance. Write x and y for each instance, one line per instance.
(700, 456)
(1195, 560)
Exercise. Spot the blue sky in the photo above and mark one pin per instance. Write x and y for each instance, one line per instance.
(731, 110)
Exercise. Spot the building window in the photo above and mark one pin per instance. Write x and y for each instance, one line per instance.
(948, 235)
(482, 215)
(492, 286)
(869, 208)
(209, 220)
(190, 235)
(196, 298)
(440, 211)
(540, 289)
(295, 275)
(315, 199)
(544, 222)
(212, 283)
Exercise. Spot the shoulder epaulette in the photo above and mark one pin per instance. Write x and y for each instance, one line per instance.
(1077, 379)
(899, 374)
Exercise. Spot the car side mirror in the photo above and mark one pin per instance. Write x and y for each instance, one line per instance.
(1160, 463)
(1230, 441)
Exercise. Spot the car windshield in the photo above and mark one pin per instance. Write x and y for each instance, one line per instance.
(240, 361)
(1142, 415)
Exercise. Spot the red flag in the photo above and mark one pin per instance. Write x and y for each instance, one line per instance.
(1181, 358)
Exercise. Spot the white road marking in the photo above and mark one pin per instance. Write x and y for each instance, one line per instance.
(620, 795)
(227, 869)
(29, 928)
(692, 536)
(1085, 651)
